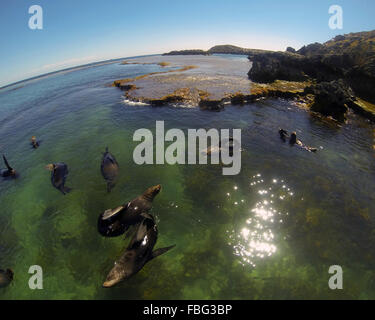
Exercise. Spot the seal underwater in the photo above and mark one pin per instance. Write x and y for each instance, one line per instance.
(58, 176)
(109, 168)
(9, 172)
(138, 253)
(114, 222)
(6, 277)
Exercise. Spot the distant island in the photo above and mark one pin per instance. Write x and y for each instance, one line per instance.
(221, 49)
(187, 52)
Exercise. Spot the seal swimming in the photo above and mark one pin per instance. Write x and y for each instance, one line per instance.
(9, 172)
(283, 134)
(294, 141)
(58, 176)
(138, 253)
(109, 168)
(6, 277)
(34, 143)
(114, 222)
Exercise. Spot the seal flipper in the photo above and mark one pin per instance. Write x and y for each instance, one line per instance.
(113, 213)
(110, 186)
(67, 190)
(160, 251)
(7, 164)
(64, 190)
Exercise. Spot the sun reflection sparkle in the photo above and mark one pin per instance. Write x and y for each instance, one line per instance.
(256, 240)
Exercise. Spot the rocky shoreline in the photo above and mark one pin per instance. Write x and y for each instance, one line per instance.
(328, 78)
(342, 69)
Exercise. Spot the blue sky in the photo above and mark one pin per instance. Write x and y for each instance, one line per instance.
(79, 32)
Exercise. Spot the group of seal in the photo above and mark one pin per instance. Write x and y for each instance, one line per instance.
(109, 169)
(59, 174)
(9, 172)
(6, 276)
(294, 141)
(115, 222)
(111, 223)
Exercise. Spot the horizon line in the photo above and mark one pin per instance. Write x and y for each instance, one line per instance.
(73, 68)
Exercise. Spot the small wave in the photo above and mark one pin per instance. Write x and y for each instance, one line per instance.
(182, 105)
(135, 103)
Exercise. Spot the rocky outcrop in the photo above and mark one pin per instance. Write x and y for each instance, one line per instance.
(270, 66)
(212, 105)
(335, 98)
(278, 89)
(343, 62)
(331, 98)
(353, 55)
(124, 86)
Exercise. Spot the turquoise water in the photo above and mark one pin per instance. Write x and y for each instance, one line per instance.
(270, 232)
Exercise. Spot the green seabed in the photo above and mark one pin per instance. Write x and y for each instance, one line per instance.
(270, 232)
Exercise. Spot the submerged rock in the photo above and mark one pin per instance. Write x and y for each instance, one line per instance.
(124, 86)
(238, 98)
(212, 105)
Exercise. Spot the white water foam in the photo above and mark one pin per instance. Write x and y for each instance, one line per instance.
(135, 103)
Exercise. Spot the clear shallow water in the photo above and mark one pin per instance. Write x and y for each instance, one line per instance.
(270, 232)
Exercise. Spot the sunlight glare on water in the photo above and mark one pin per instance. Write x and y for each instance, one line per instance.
(256, 240)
